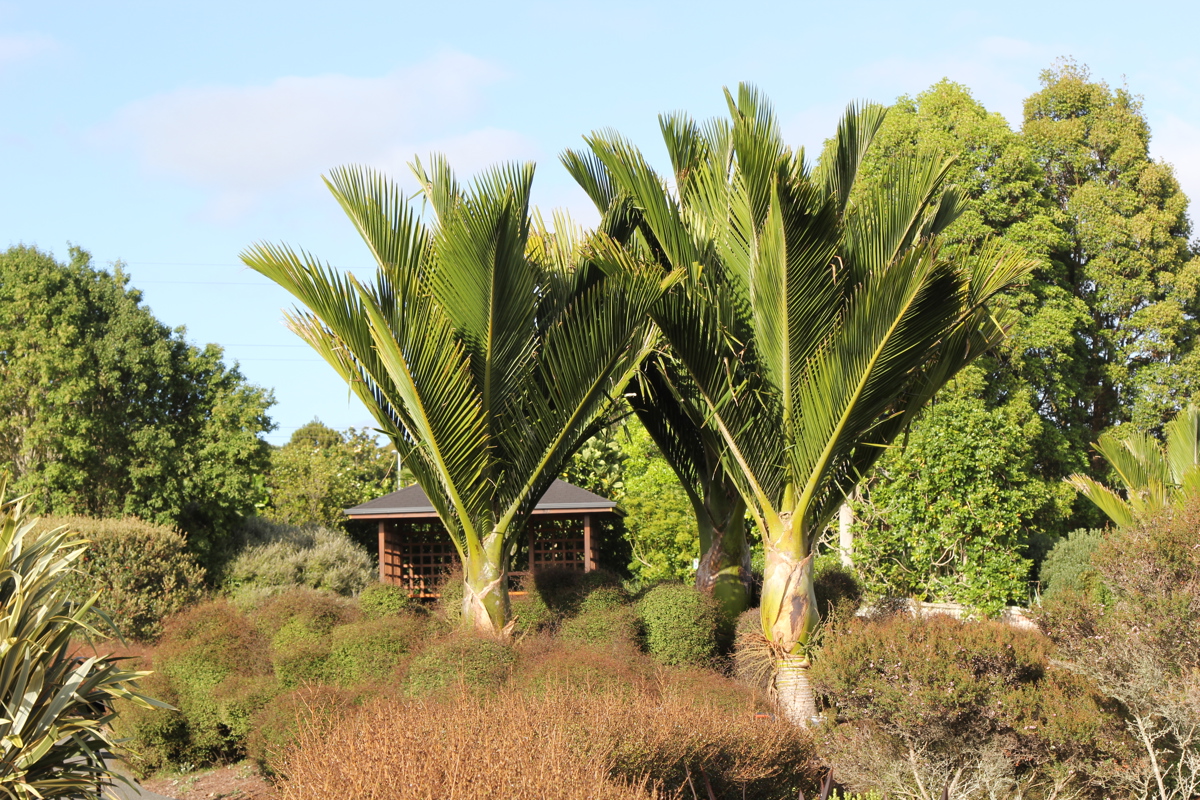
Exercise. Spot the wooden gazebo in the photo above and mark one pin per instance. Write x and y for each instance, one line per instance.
(415, 551)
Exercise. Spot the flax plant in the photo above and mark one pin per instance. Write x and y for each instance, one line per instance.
(817, 317)
(55, 708)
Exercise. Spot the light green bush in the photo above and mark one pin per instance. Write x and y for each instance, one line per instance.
(143, 571)
(1069, 565)
(370, 651)
(682, 626)
(274, 557)
(382, 600)
(461, 658)
(602, 627)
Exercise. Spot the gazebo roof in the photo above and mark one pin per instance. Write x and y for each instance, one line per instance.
(411, 502)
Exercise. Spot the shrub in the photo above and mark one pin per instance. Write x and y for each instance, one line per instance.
(318, 611)
(459, 659)
(382, 599)
(56, 723)
(837, 589)
(300, 653)
(1069, 565)
(529, 610)
(609, 627)
(450, 597)
(546, 663)
(563, 590)
(599, 745)
(143, 571)
(921, 701)
(200, 649)
(273, 557)
(682, 625)
(370, 651)
(1142, 645)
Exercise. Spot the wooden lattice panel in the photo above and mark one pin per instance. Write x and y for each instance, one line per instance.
(417, 556)
(557, 544)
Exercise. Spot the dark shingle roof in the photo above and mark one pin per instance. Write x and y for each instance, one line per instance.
(561, 496)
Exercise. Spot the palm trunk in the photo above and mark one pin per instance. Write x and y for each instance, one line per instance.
(724, 569)
(793, 690)
(485, 589)
(789, 616)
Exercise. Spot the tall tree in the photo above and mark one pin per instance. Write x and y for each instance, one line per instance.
(487, 348)
(813, 326)
(321, 471)
(104, 411)
(1127, 258)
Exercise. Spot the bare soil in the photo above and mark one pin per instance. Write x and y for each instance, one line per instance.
(234, 782)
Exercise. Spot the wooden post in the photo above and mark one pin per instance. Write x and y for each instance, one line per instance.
(589, 563)
(382, 552)
(532, 539)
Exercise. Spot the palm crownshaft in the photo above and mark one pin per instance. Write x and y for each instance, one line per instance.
(486, 347)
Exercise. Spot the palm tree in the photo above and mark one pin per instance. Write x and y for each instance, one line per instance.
(817, 317)
(486, 347)
(1155, 475)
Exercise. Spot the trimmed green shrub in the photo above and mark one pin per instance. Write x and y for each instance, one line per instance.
(273, 557)
(143, 571)
(602, 627)
(200, 650)
(924, 700)
(450, 597)
(382, 599)
(153, 738)
(529, 610)
(681, 625)
(370, 651)
(564, 590)
(1069, 565)
(459, 659)
(300, 653)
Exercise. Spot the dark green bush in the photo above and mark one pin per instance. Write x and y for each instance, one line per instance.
(460, 658)
(1069, 565)
(838, 592)
(941, 696)
(370, 651)
(564, 590)
(381, 600)
(529, 610)
(602, 627)
(144, 572)
(681, 625)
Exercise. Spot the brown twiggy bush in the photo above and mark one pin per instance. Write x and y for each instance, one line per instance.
(558, 744)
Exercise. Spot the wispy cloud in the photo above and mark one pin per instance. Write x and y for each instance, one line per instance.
(22, 47)
(243, 142)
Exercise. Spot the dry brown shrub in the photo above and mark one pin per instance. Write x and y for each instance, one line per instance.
(562, 743)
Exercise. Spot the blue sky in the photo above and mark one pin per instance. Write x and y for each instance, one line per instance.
(170, 136)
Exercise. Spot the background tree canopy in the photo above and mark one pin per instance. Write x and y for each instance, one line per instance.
(1105, 336)
(105, 411)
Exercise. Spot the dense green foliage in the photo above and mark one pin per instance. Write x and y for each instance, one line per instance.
(144, 572)
(58, 707)
(1068, 567)
(682, 625)
(659, 519)
(954, 515)
(320, 472)
(976, 705)
(104, 411)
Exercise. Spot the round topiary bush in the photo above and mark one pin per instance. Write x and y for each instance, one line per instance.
(681, 625)
(564, 590)
(1068, 565)
(602, 627)
(460, 658)
(318, 611)
(382, 600)
(838, 591)
(370, 651)
(144, 572)
(529, 610)
(300, 653)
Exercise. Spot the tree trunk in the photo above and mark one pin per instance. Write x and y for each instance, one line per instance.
(485, 590)
(846, 534)
(724, 569)
(793, 690)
